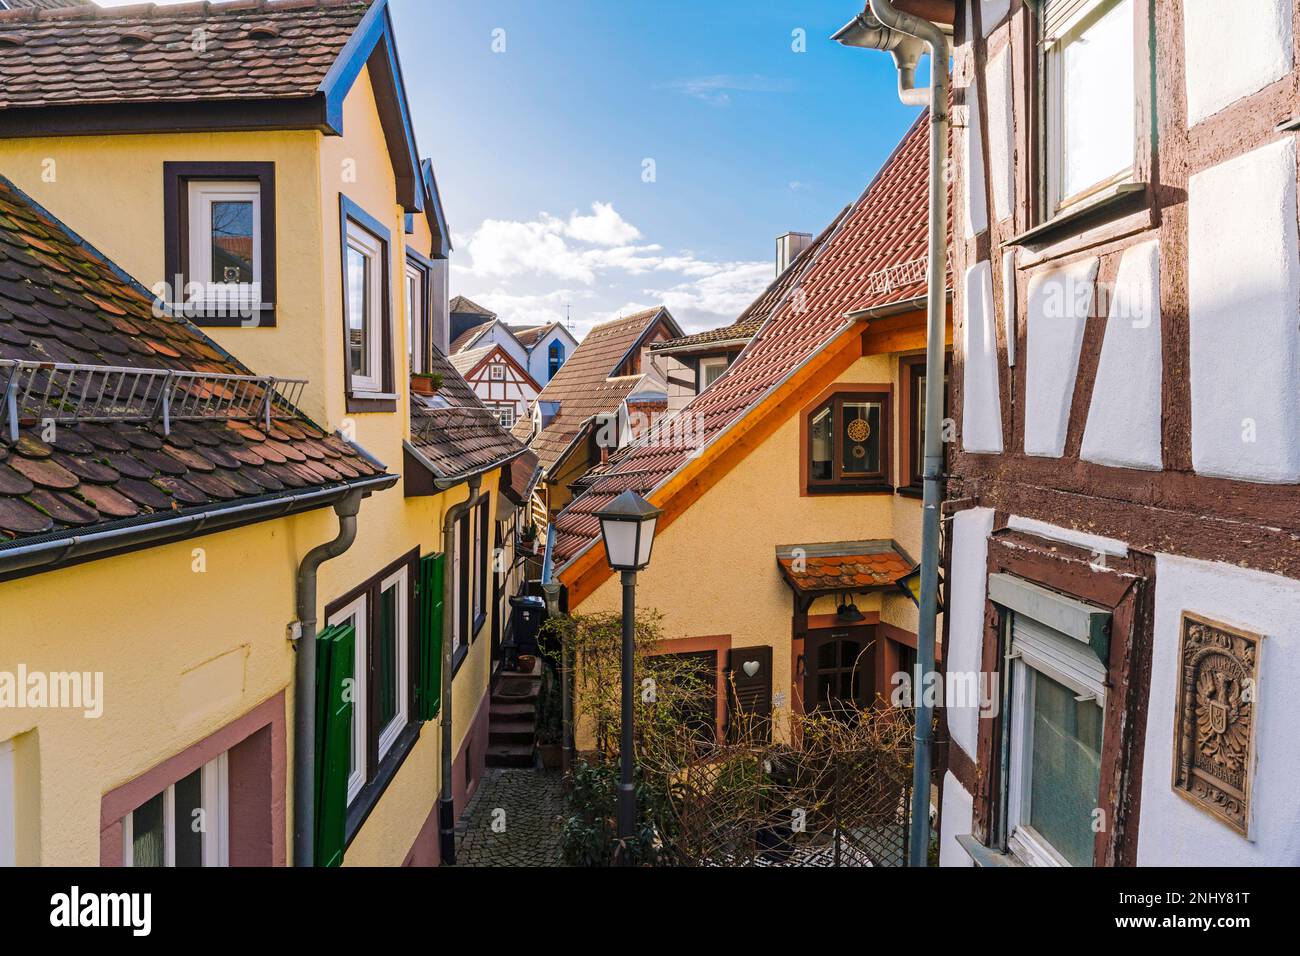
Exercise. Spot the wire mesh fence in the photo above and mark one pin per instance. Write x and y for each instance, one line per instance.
(782, 806)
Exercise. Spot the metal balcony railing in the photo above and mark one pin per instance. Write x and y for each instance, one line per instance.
(40, 392)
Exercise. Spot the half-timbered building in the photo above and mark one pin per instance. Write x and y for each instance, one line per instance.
(1123, 523)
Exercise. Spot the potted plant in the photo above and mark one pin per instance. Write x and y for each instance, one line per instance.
(549, 722)
(529, 534)
(425, 383)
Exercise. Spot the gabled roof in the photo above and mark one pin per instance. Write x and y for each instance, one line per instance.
(737, 333)
(856, 263)
(461, 305)
(63, 302)
(269, 64)
(469, 362)
(530, 337)
(584, 385)
(454, 435)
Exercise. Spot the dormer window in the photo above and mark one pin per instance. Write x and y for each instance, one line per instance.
(554, 358)
(219, 255)
(367, 319)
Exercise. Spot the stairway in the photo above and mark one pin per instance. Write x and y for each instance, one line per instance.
(512, 719)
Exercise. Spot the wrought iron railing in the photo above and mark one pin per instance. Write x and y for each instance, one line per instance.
(39, 392)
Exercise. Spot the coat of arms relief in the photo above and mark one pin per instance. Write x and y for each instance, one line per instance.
(1214, 725)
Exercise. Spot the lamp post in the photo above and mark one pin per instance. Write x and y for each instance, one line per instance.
(627, 525)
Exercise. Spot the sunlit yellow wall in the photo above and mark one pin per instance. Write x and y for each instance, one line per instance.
(146, 618)
(714, 569)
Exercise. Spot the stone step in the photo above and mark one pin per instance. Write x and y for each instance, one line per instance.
(512, 732)
(500, 699)
(498, 712)
(509, 755)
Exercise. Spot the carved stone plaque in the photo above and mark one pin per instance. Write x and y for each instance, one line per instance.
(1214, 727)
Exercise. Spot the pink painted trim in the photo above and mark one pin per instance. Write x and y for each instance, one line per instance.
(260, 792)
(472, 748)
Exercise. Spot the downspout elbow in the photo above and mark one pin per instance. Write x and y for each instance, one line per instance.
(304, 696)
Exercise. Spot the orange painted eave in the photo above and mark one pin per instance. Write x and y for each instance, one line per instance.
(898, 333)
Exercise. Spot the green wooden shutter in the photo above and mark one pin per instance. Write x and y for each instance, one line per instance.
(335, 658)
(428, 691)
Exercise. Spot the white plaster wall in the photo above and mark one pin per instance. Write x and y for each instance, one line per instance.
(1243, 288)
(968, 587)
(992, 14)
(974, 194)
(981, 409)
(539, 357)
(1172, 830)
(1123, 428)
(1233, 48)
(955, 820)
(1001, 133)
(1059, 303)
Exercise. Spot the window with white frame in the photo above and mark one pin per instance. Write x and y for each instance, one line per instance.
(8, 806)
(365, 271)
(381, 691)
(186, 825)
(225, 245)
(505, 413)
(497, 372)
(1089, 91)
(711, 370)
(1056, 716)
(416, 309)
(356, 614)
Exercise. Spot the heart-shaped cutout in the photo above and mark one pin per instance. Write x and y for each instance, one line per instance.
(751, 668)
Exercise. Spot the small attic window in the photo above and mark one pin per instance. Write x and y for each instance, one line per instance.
(264, 31)
(135, 37)
(10, 39)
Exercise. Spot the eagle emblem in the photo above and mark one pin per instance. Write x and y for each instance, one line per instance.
(1222, 717)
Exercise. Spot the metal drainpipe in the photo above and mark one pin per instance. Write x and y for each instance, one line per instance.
(304, 694)
(447, 801)
(886, 13)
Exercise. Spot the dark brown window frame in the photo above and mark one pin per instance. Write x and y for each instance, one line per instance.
(350, 212)
(176, 227)
(379, 774)
(911, 369)
(836, 395)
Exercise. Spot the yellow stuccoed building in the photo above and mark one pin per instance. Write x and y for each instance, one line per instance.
(165, 565)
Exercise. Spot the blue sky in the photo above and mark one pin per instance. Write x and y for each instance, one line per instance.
(540, 148)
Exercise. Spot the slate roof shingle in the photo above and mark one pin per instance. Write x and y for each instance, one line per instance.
(456, 433)
(800, 313)
(62, 303)
(87, 54)
(584, 387)
(850, 566)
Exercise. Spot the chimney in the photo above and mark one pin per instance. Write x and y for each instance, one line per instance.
(788, 248)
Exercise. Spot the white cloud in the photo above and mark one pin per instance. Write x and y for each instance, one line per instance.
(604, 227)
(716, 90)
(507, 265)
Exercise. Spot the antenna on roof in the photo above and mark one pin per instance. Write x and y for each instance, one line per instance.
(568, 319)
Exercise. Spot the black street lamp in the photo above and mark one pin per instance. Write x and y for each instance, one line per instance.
(628, 526)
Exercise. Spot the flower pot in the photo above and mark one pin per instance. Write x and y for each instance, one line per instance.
(422, 385)
(552, 756)
(526, 663)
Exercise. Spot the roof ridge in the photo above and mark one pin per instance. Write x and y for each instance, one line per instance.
(156, 11)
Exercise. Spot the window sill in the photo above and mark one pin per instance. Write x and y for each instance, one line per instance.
(265, 319)
(370, 794)
(849, 489)
(910, 491)
(1105, 204)
(371, 402)
(982, 856)
(477, 628)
